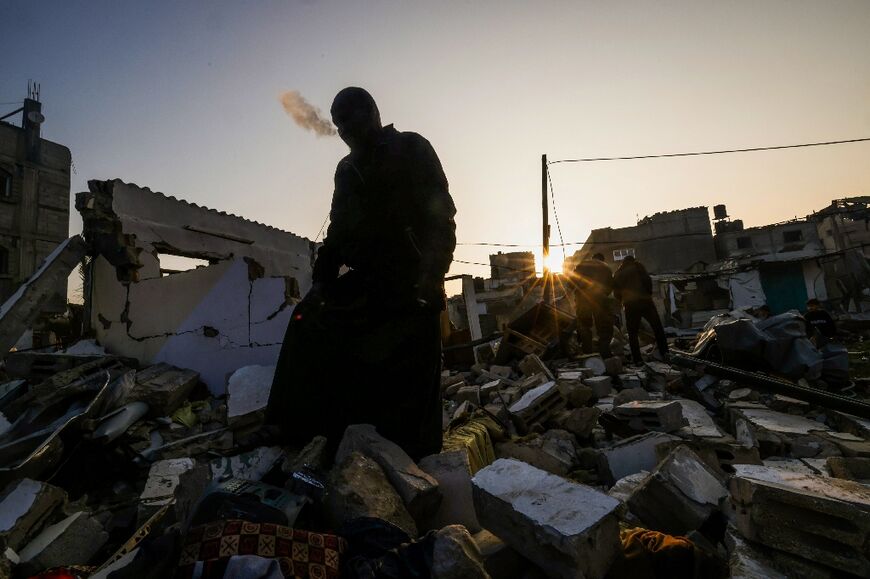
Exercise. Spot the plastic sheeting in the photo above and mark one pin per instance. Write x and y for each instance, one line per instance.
(745, 289)
(778, 344)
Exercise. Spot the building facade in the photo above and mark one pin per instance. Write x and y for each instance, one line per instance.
(34, 199)
(670, 241)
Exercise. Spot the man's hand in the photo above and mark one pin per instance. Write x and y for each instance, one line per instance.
(312, 303)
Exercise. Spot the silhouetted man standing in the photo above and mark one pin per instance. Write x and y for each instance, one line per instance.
(594, 282)
(365, 347)
(633, 286)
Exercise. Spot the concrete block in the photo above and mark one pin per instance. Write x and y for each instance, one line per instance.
(554, 451)
(601, 385)
(826, 520)
(24, 507)
(471, 393)
(532, 364)
(657, 415)
(569, 530)
(455, 555)
(358, 487)
(630, 395)
(453, 473)
(631, 455)
(573, 374)
(418, 490)
(595, 365)
(72, 541)
(163, 387)
(248, 393)
(679, 495)
(538, 405)
(613, 366)
(576, 393)
(578, 421)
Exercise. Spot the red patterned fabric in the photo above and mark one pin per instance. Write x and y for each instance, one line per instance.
(301, 554)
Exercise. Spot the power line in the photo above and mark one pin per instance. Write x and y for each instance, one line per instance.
(698, 153)
(556, 215)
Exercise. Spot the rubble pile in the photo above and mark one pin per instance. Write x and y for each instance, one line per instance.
(567, 468)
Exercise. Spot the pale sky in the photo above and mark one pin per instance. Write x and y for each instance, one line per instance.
(182, 97)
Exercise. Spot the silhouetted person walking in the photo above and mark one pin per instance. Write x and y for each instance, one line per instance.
(593, 282)
(365, 347)
(632, 285)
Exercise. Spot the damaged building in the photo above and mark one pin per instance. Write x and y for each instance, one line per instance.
(229, 311)
(34, 199)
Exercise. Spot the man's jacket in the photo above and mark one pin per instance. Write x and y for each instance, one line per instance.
(391, 221)
(632, 283)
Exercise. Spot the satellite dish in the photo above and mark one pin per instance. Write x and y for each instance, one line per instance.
(36, 117)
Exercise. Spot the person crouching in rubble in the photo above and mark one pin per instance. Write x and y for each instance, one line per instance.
(594, 282)
(632, 285)
(365, 346)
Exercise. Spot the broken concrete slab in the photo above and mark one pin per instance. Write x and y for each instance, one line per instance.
(419, 490)
(72, 541)
(595, 365)
(455, 555)
(826, 520)
(679, 495)
(177, 480)
(452, 471)
(24, 507)
(248, 393)
(163, 387)
(537, 405)
(631, 455)
(23, 307)
(359, 488)
(700, 423)
(569, 530)
(656, 415)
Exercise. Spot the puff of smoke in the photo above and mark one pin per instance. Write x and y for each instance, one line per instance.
(305, 115)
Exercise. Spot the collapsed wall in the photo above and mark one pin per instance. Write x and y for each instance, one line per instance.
(230, 312)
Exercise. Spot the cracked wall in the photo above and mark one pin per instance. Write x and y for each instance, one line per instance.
(212, 319)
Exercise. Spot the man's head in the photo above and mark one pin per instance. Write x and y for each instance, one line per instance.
(813, 304)
(628, 259)
(598, 256)
(762, 311)
(356, 117)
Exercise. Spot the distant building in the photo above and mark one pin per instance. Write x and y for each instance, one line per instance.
(791, 237)
(517, 266)
(34, 198)
(670, 241)
(845, 224)
(784, 260)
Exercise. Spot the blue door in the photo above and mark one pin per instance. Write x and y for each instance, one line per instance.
(784, 286)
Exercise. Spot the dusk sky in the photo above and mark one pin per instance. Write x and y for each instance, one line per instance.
(182, 97)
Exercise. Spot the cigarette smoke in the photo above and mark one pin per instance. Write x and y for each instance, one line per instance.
(305, 115)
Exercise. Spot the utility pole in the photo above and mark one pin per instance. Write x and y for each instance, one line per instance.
(548, 281)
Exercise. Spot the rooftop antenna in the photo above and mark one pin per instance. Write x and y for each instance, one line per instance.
(33, 89)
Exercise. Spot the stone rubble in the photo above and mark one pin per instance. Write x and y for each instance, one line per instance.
(547, 462)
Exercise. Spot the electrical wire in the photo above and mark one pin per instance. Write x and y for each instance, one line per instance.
(321, 228)
(699, 153)
(556, 214)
